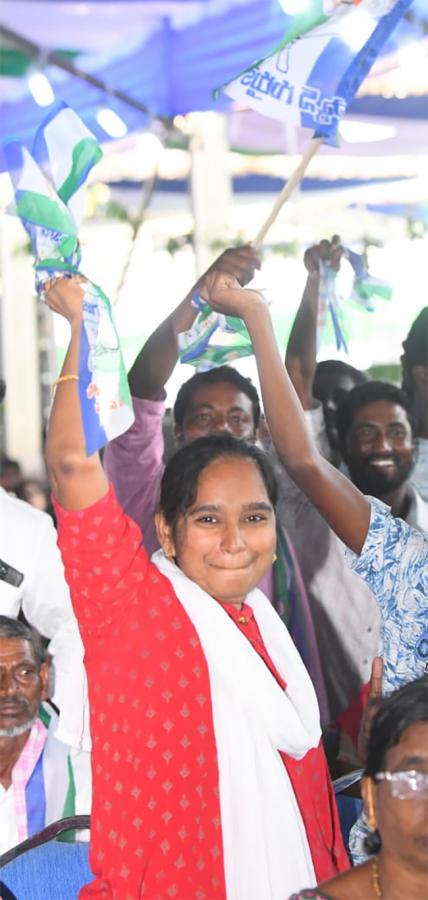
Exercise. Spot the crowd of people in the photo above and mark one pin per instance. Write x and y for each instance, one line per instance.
(219, 623)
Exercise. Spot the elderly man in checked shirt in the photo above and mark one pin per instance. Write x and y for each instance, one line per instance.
(37, 780)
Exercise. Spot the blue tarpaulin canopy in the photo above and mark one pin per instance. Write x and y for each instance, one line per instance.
(146, 59)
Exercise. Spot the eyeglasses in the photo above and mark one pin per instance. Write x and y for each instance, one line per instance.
(405, 785)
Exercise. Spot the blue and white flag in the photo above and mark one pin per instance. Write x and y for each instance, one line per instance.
(313, 74)
(49, 202)
(365, 290)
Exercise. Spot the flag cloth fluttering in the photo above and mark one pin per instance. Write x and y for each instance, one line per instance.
(49, 202)
(208, 343)
(366, 289)
(313, 74)
(308, 80)
(215, 339)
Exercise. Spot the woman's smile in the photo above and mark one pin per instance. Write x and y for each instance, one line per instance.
(225, 542)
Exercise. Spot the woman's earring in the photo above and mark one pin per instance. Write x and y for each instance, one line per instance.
(274, 558)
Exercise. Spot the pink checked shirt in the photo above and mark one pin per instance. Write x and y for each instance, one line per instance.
(22, 772)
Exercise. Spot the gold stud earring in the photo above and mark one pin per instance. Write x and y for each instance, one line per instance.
(274, 558)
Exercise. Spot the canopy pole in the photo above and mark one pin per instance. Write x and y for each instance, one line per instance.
(288, 189)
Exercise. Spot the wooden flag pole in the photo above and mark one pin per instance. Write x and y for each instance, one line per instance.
(288, 189)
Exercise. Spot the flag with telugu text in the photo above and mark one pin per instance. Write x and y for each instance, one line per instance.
(313, 74)
(49, 201)
(309, 80)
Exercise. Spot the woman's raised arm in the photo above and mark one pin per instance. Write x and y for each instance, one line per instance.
(342, 505)
(77, 480)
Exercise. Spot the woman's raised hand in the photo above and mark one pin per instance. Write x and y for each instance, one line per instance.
(65, 296)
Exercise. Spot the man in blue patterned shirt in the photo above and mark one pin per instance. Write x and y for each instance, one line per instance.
(394, 564)
(374, 431)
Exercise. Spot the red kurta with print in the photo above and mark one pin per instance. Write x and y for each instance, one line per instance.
(156, 830)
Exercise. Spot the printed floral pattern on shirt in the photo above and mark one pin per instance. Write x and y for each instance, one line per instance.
(394, 564)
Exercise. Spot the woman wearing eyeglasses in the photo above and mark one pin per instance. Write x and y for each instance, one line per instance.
(395, 792)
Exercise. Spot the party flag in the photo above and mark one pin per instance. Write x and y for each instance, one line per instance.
(209, 343)
(329, 306)
(49, 202)
(365, 290)
(313, 74)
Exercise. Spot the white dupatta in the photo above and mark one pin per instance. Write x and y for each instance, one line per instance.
(266, 852)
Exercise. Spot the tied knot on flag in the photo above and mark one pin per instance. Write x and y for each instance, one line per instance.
(214, 340)
(50, 185)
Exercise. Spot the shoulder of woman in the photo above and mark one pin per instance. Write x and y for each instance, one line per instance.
(355, 884)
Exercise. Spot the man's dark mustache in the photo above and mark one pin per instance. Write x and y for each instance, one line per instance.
(14, 701)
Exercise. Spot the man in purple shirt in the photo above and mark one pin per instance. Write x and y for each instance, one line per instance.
(218, 401)
(134, 461)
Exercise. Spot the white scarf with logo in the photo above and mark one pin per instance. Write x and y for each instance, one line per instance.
(266, 852)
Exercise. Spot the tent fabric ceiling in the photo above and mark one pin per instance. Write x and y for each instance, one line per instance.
(169, 69)
(253, 133)
(167, 55)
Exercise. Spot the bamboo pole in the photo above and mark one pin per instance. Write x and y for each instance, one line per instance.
(288, 189)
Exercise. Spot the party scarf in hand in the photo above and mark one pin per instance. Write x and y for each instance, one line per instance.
(49, 202)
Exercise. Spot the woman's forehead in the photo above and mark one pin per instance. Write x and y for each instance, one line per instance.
(239, 474)
(412, 746)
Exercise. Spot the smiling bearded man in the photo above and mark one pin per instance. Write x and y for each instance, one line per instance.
(376, 437)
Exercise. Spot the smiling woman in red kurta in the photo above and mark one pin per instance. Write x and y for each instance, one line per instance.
(209, 777)
(156, 818)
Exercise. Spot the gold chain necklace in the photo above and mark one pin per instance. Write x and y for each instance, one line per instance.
(376, 879)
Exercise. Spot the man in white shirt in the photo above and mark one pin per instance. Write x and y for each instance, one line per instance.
(28, 548)
(32, 581)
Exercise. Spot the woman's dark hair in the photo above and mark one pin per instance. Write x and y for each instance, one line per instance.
(396, 713)
(362, 395)
(180, 479)
(215, 376)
